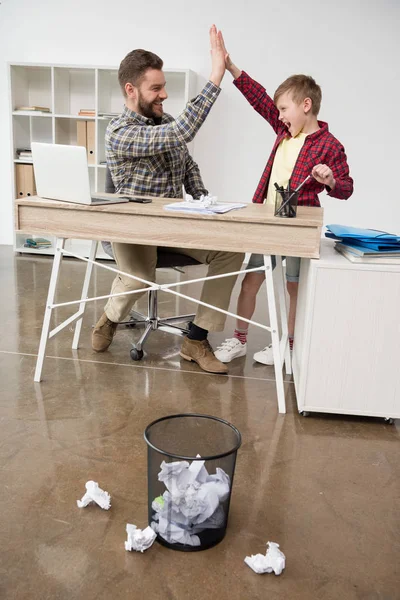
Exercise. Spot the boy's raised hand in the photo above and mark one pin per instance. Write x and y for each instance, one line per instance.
(233, 69)
(217, 56)
(324, 175)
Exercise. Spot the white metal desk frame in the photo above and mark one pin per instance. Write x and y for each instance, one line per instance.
(280, 345)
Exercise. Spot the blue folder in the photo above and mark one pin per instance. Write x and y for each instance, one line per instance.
(367, 238)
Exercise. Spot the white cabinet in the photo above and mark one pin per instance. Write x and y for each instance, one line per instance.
(347, 340)
(65, 90)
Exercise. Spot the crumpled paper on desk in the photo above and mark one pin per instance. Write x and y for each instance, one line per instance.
(191, 502)
(273, 560)
(138, 539)
(95, 494)
(204, 200)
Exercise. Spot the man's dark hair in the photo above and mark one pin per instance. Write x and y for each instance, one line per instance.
(134, 66)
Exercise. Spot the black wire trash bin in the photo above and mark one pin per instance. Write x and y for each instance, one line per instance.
(191, 462)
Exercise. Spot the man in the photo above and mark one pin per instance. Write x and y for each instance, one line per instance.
(147, 154)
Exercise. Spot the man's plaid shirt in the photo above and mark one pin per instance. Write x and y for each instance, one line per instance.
(149, 159)
(319, 147)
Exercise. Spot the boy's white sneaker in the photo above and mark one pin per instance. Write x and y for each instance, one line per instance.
(230, 349)
(265, 356)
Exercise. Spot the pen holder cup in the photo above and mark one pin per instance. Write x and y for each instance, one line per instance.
(190, 467)
(286, 203)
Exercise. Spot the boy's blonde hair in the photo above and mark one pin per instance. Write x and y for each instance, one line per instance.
(301, 87)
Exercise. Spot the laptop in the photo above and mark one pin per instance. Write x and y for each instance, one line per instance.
(62, 173)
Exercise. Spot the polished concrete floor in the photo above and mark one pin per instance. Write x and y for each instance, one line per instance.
(326, 488)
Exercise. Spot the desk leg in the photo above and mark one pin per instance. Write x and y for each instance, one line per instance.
(273, 321)
(85, 288)
(49, 307)
(283, 313)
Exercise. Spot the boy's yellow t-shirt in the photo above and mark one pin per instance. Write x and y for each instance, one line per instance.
(284, 161)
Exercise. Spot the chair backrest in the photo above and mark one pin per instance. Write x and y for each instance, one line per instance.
(109, 187)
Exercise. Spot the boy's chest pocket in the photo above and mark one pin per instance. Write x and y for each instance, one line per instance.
(315, 158)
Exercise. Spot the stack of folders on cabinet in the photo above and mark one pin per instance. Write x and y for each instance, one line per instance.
(366, 246)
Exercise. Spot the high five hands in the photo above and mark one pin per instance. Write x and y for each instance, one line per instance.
(217, 56)
(220, 59)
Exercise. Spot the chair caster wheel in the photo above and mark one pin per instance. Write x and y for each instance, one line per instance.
(389, 420)
(304, 413)
(136, 354)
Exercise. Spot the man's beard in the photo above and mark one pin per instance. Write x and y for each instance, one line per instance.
(146, 109)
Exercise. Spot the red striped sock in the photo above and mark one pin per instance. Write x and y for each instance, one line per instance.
(241, 335)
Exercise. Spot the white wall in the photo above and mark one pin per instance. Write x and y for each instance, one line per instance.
(350, 47)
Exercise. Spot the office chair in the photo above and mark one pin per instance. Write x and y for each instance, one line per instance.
(151, 321)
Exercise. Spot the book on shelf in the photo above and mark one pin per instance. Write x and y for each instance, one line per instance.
(45, 109)
(38, 241)
(387, 259)
(24, 153)
(108, 115)
(87, 112)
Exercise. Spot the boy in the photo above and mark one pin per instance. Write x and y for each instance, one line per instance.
(303, 146)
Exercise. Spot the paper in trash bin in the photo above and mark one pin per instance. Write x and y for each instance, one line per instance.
(173, 533)
(138, 539)
(273, 560)
(191, 502)
(95, 494)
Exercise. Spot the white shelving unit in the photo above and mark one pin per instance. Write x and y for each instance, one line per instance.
(65, 90)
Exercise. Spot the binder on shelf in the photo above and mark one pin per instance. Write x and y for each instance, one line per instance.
(25, 181)
(90, 137)
(19, 181)
(81, 133)
(85, 136)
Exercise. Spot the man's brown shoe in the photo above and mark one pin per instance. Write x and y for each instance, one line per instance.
(203, 355)
(103, 333)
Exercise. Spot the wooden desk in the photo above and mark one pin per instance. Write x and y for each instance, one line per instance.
(251, 229)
